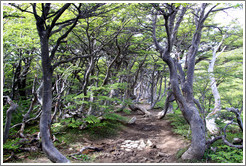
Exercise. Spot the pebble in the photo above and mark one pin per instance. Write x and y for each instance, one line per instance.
(160, 154)
(128, 150)
(127, 141)
(134, 145)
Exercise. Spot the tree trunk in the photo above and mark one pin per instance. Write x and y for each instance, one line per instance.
(185, 99)
(9, 112)
(45, 121)
(210, 119)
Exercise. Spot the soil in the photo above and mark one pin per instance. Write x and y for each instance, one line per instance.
(165, 143)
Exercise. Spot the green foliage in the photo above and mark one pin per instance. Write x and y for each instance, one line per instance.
(106, 129)
(127, 111)
(181, 152)
(82, 157)
(114, 117)
(75, 124)
(12, 144)
(57, 127)
(92, 119)
(180, 126)
(226, 154)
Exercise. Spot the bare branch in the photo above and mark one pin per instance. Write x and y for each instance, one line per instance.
(23, 10)
(237, 113)
(61, 38)
(58, 15)
(158, 47)
(227, 142)
(222, 9)
(70, 60)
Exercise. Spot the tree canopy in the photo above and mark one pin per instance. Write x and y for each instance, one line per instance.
(83, 63)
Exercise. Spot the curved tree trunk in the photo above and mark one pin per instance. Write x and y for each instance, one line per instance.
(170, 98)
(210, 119)
(184, 95)
(9, 112)
(198, 142)
(45, 121)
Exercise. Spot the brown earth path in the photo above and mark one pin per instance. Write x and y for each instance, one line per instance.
(165, 143)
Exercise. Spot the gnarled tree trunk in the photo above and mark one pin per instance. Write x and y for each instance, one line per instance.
(9, 112)
(210, 119)
(184, 95)
(45, 121)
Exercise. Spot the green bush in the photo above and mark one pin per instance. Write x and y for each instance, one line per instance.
(226, 154)
(12, 145)
(180, 126)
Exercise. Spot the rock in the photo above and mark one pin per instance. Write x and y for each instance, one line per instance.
(142, 145)
(127, 141)
(160, 114)
(128, 150)
(128, 146)
(132, 120)
(160, 154)
(150, 144)
(123, 146)
(140, 148)
(134, 145)
(237, 141)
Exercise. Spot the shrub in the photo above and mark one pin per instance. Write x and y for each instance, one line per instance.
(226, 154)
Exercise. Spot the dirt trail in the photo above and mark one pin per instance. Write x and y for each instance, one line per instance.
(146, 141)
(158, 132)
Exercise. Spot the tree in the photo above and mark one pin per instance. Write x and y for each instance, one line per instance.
(45, 31)
(96, 58)
(173, 15)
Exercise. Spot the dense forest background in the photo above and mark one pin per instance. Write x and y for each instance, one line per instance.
(75, 68)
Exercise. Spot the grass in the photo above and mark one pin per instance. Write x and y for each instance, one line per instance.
(66, 135)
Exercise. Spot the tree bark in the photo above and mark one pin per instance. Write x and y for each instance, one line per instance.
(9, 112)
(210, 119)
(169, 99)
(184, 96)
(45, 121)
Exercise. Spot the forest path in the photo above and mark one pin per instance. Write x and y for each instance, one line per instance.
(148, 140)
(146, 130)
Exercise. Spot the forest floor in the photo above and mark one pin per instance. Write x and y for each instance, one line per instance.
(148, 140)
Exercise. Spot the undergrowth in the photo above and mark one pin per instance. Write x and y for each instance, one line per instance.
(222, 154)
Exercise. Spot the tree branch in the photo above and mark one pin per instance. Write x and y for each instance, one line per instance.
(237, 113)
(58, 15)
(227, 142)
(69, 60)
(158, 47)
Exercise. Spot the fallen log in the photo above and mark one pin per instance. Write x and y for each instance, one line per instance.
(135, 107)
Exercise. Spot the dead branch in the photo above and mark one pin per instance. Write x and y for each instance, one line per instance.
(237, 113)
(27, 115)
(226, 141)
(31, 119)
(12, 156)
(211, 141)
(169, 99)
(86, 150)
(135, 107)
